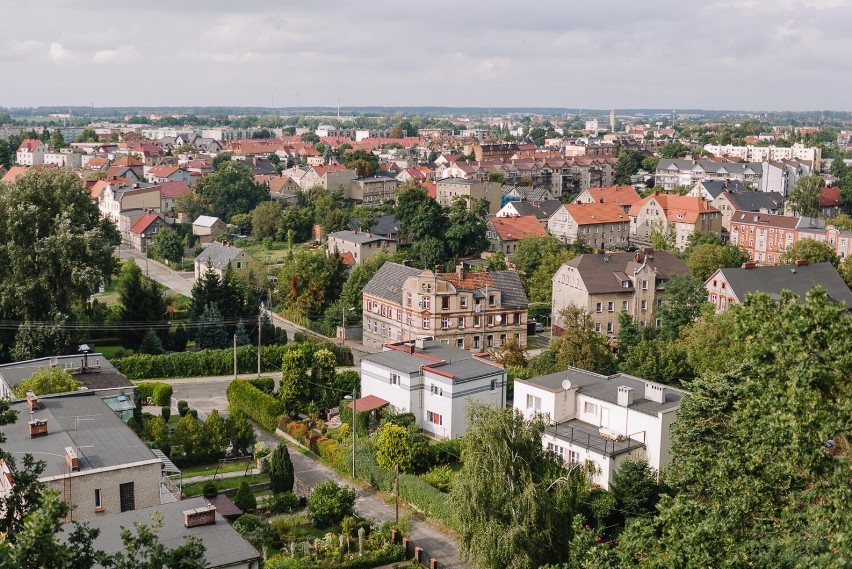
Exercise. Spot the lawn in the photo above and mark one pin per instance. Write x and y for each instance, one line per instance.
(112, 351)
(275, 254)
(197, 488)
(209, 469)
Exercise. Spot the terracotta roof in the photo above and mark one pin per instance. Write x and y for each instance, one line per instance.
(29, 144)
(323, 170)
(163, 171)
(368, 403)
(14, 173)
(173, 189)
(97, 163)
(472, 280)
(621, 195)
(347, 258)
(144, 222)
(830, 197)
(517, 228)
(681, 209)
(128, 162)
(594, 213)
(765, 219)
(98, 188)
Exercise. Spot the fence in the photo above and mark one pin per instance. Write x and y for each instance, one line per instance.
(301, 488)
(422, 556)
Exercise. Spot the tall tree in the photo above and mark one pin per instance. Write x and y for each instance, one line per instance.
(168, 245)
(266, 219)
(323, 372)
(513, 500)
(295, 389)
(240, 433)
(812, 251)
(580, 345)
(57, 250)
(211, 332)
(141, 304)
(231, 189)
(465, 234)
(214, 434)
(685, 296)
(419, 215)
(805, 195)
(281, 477)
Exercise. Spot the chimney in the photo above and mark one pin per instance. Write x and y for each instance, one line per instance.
(460, 270)
(410, 347)
(637, 257)
(32, 401)
(71, 459)
(420, 342)
(203, 516)
(625, 396)
(655, 392)
(801, 262)
(37, 428)
(749, 265)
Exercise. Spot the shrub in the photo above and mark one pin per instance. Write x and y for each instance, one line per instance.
(283, 503)
(407, 420)
(244, 499)
(183, 408)
(447, 452)
(440, 477)
(261, 450)
(253, 529)
(210, 490)
(362, 422)
(281, 477)
(298, 431)
(265, 384)
(162, 394)
(259, 406)
(166, 413)
(329, 503)
(329, 449)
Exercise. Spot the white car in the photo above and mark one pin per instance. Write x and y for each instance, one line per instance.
(539, 327)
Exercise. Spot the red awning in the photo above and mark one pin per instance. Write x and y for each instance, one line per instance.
(369, 403)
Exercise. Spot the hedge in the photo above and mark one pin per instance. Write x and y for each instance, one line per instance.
(160, 393)
(362, 422)
(206, 363)
(265, 384)
(259, 406)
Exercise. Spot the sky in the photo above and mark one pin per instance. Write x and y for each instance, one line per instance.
(599, 54)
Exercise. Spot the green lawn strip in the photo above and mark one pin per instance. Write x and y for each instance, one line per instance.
(210, 469)
(197, 488)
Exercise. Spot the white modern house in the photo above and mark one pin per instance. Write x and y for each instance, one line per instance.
(602, 419)
(433, 381)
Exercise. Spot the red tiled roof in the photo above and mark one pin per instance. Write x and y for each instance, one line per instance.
(472, 280)
(163, 171)
(517, 228)
(128, 162)
(143, 223)
(98, 188)
(29, 144)
(347, 258)
(830, 197)
(96, 163)
(368, 403)
(594, 213)
(682, 209)
(173, 189)
(620, 195)
(14, 173)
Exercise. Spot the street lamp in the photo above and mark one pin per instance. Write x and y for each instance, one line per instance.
(145, 251)
(350, 309)
(353, 397)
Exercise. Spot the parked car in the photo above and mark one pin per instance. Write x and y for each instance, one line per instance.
(539, 327)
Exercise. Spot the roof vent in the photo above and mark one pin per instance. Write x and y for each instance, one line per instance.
(625, 396)
(203, 516)
(655, 392)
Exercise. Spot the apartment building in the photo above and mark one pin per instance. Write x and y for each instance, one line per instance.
(763, 153)
(504, 233)
(601, 419)
(433, 381)
(672, 172)
(606, 284)
(374, 190)
(731, 285)
(468, 310)
(361, 246)
(676, 217)
(450, 189)
(598, 225)
(622, 196)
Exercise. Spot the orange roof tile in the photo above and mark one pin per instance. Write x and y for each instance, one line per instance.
(620, 195)
(594, 213)
(473, 280)
(682, 209)
(517, 228)
(14, 173)
(144, 222)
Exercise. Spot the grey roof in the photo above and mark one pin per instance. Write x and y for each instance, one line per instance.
(799, 279)
(99, 372)
(223, 545)
(460, 363)
(716, 187)
(605, 388)
(388, 280)
(524, 207)
(710, 166)
(359, 237)
(385, 225)
(219, 255)
(752, 201)
(549, 207)
(599, 272)
(103, 439)
(510, 287)
(463, 181)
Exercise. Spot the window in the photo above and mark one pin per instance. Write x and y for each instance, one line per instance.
(407, 299)
(597, 326)
(425, 301)
(657, 322)
(427, 324)
(476, 342)
(590, 408)
(434, 418)
(644, 305)
(599, 307)
(493, 384)
(490, 341)
(534, 403)
(394, 379)
(463, 301)
(399, 315)
(477, 321)
(445, 303)
(445, 323)
(383, 310)
(127, 497)
(98, 505)
(517, 318)
(609, 327)
(556, 449)
(461, 322)
(491, 300)
(573, 457)
(502, 339)
(610, 306)
(644, 285)
(460, 343)
(623, 305)
(491, 320)
(437, 390)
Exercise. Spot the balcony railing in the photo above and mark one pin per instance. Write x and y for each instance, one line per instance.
(589, 437)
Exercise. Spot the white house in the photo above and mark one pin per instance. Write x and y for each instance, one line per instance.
(433, 381)
(31, 152)
(603, 419)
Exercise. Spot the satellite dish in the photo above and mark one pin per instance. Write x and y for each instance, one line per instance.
(498, 318)
(566, 384)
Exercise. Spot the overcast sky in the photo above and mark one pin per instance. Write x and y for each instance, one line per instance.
(601, 54)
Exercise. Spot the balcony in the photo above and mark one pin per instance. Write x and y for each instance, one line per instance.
(589, 437)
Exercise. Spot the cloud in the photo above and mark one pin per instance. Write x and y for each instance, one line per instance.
(57, 53)
(123, 53)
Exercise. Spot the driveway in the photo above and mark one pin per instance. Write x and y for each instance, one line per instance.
(176, 281)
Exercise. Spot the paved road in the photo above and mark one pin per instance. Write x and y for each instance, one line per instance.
(177, 281)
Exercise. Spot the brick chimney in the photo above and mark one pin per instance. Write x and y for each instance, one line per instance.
(203, 516)
(460, 270)
(749, 265)
(72, 459)
(32, 401)
(37, 428)
(801, 262)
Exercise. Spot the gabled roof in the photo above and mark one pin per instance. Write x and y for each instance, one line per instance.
(29, 145)
(388, 280)
(773, 220)
(164, 171)
(681, 209)
(716, 187)
(619, 195)
(219, 255)
(799, 279)
(599, 271)
(14, 173)
(127, 161)
(750, 201)
(205, 221)
(524, 207)
(173, 189)
(594, 213)
(144, 222)
(830, 197)
(516, 228)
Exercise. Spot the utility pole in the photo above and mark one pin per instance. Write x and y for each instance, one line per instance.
(259, 332)
(235, 356)
(354, 440)
(396, 490)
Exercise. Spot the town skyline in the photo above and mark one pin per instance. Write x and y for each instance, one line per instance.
(610, 55)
